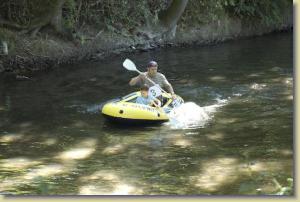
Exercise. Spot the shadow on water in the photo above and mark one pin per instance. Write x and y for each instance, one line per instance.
(54, 141)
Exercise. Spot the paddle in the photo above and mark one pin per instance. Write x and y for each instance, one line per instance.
(129, 65)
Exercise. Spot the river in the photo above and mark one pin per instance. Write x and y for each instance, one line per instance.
(53, 140)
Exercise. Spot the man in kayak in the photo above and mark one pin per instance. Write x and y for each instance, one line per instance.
(145, 98)
(155, 76)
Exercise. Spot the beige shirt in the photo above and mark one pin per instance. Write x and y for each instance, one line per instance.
(159, 79)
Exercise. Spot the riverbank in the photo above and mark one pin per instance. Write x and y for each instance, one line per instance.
(49, 50)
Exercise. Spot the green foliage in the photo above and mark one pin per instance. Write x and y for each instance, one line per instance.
(126, 15)
(205, 11)
(201, 12)
(268, 11)
(70, 15)
(16, 11)
(26, 12)
(113, 15)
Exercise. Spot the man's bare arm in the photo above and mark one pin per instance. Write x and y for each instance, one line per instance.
(168, 86)
(134, 80)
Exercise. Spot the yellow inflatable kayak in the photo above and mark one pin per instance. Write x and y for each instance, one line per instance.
(125, 110)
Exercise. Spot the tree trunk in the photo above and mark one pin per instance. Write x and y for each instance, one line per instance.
(170, 17)
(56, 20)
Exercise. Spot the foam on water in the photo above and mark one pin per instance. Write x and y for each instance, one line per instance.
(190, 115)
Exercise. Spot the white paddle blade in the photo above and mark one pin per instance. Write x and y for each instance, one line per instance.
(129, 65)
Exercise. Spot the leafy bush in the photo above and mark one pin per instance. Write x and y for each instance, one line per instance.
(116, 15)
(268, 11)
(205, 11)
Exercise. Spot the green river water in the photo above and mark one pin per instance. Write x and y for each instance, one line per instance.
(54, 141)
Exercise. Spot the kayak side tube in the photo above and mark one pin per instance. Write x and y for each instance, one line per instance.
(133, 111)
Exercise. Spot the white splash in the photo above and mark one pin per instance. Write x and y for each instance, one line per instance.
(190, 115)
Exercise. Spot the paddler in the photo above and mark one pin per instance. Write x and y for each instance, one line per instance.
(155, 76)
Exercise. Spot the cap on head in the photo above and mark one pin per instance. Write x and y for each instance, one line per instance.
(152, 64)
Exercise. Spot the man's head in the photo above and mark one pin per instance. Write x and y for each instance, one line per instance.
(152, 68)
(144, 90)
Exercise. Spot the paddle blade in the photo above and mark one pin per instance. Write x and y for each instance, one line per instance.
(129, 65)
